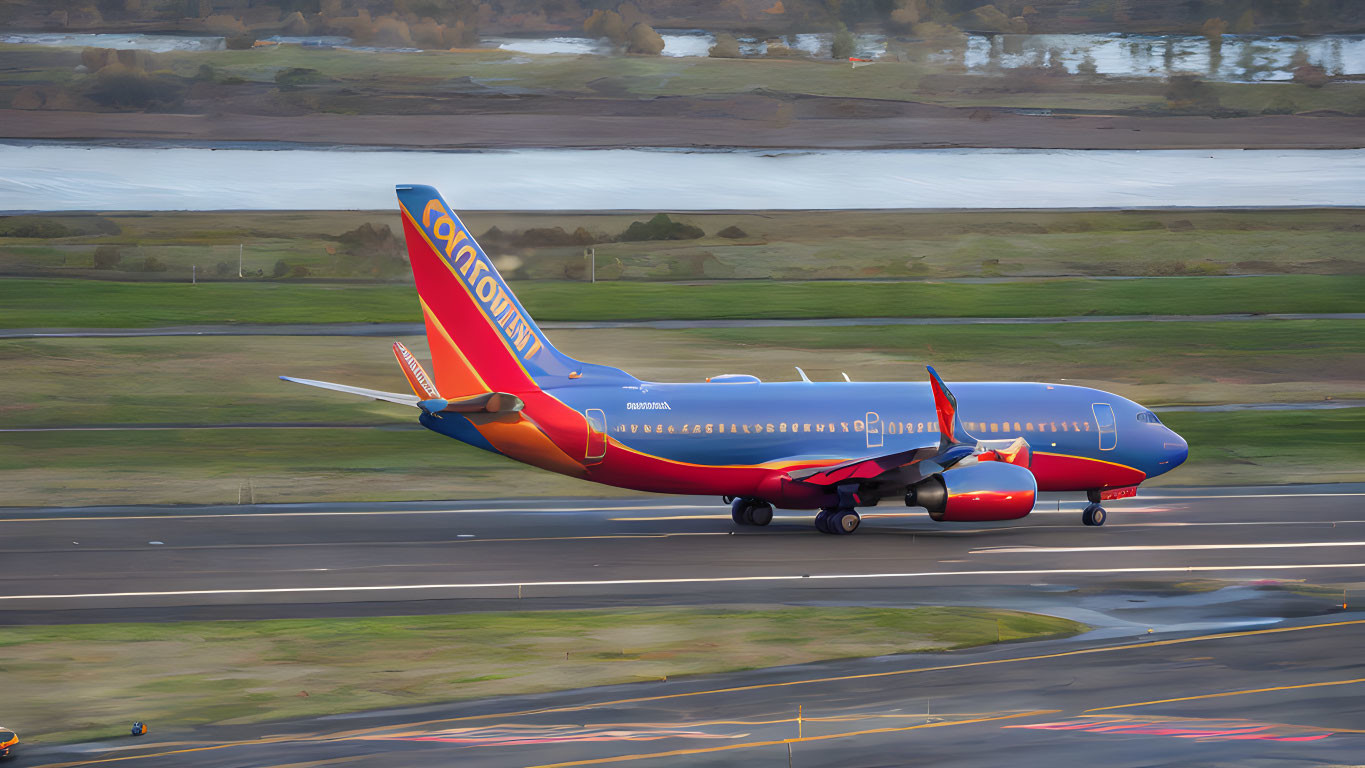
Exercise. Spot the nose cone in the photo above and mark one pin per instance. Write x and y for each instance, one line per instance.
(1174, 451)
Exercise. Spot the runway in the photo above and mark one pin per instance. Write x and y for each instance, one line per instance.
(1170, 676)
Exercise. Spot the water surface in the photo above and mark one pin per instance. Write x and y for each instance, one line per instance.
(83, 177)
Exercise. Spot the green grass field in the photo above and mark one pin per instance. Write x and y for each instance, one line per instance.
(36, 303)
(82, 681)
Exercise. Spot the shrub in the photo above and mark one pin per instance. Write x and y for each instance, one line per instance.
(843, 45)
(281, 269)
(661, 228)
(1188, 91)
(608, 24)
(732, 232)
(642, 39)
(222, 269)
(370, 241)
(298, 76)
(153, 264)
(120, 88)
(1311, 75)
(108, 257)
(726, 47)
(32, 226)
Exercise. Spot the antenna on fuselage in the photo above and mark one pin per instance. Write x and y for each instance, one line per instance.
(804, 377)
(846, 378)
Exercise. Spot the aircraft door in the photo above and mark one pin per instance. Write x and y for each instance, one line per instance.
(597, 436)
(1104, 417)
(872, 426)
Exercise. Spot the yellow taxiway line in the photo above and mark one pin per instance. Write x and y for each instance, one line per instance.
(1233, 693)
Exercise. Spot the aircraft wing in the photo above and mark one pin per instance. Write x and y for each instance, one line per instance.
(373, 394)
(865, 468)
(891, 472)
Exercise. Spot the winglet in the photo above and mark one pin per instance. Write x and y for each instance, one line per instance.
(413, 372)
(946, 405)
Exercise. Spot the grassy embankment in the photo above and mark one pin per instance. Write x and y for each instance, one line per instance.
(35, 303)
(75, 382)
(82, 681)
(780, 245)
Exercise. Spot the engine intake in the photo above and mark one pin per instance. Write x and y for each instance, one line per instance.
(990, 490)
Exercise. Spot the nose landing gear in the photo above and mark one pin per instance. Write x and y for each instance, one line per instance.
(751, 512)
(1093, 514)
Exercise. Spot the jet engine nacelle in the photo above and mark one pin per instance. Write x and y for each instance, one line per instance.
(990, 490)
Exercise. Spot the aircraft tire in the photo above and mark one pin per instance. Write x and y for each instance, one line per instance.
(843, 522)
(739, 511)
(1094, 515)
(822, 520)
(761, 513)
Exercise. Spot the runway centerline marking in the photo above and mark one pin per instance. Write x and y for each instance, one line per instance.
(1164, 547)
(1231, 693)
(680, 580)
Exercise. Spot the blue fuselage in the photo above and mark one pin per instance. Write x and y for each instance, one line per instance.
(715, 424)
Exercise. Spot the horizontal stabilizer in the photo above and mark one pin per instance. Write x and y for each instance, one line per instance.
(373, 394)
(489, 402)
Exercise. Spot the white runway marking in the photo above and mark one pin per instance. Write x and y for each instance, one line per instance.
(343, 513)
(1163, 547)
(681, 580)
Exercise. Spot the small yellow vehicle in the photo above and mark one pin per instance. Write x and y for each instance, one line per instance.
(8, 739)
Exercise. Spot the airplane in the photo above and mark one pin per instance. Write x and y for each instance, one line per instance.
(498, 384)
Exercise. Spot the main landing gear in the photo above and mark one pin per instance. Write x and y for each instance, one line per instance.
(837, 522)
(1093, 514)
(751, 512)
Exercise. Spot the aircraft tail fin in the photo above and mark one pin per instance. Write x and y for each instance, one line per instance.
(482, 340)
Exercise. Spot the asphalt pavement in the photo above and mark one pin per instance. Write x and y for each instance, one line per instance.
(1253, 674)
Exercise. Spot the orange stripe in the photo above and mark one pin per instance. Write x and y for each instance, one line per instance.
(461, 374)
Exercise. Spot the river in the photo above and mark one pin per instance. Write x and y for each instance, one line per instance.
(51, 177)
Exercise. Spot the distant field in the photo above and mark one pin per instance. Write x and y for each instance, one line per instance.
(490, 72)
(786, 245)
(37, 303)
(180, 674)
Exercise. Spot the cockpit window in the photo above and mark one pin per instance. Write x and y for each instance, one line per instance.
(1148, 417)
